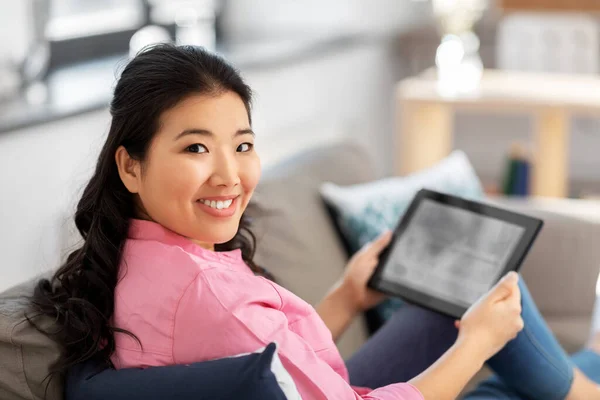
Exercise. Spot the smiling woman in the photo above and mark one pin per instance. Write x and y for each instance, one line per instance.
(148, 170)
(189, 174)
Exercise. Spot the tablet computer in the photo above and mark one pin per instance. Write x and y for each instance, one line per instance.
(448, 251)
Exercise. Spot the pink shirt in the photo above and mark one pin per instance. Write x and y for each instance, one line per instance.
(188, 304)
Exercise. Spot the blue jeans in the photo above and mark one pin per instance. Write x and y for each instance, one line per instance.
(532, 366)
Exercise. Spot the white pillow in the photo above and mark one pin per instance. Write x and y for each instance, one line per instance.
(284, 379)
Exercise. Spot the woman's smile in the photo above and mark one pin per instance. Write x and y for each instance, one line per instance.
(220, 206)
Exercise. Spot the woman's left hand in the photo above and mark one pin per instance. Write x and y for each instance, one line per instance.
(359, 270)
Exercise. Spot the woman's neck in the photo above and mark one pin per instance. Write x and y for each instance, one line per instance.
(207, 246)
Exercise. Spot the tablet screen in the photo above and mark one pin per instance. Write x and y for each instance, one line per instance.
(451, 253)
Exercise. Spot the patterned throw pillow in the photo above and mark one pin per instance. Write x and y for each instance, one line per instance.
(364, 211)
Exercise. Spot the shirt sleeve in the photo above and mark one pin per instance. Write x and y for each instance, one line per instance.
(215, 318)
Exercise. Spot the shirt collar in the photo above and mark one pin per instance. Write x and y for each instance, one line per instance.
(148, 230)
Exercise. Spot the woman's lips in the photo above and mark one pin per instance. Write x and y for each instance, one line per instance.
(221, 198)
(225, 212)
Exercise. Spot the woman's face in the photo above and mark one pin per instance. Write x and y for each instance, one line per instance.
(201, 169)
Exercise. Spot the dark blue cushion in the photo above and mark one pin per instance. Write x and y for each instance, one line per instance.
(246, 377)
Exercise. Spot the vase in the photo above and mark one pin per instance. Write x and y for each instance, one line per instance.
(458, 62)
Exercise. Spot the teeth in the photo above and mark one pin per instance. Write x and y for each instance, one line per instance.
(219, 205)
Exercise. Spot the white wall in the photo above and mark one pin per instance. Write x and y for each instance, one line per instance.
(243, 18)
(344, 94)
(43, 169)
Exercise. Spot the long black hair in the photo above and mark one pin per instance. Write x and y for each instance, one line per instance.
(80, 295)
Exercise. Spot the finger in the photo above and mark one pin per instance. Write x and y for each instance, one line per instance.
(505, 287)
(512, 283)
(369, 264)
(457, 324)
(520, 324)
(500, 292)
(512, 277)
(380, 243)
(515, 297)
(373, 262)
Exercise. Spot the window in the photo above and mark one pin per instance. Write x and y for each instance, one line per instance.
(80, 30)
(70, 19)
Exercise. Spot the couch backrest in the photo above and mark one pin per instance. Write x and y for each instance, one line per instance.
(562, 268)
(25, 353)
(297, 240)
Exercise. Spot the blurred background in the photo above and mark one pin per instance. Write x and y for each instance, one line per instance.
(322, 71)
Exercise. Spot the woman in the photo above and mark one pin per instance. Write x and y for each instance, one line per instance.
(165, 275)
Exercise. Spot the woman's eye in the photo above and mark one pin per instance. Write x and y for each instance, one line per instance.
(197, 148)
(245, 147)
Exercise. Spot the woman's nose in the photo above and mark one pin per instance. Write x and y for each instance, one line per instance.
(225, 171)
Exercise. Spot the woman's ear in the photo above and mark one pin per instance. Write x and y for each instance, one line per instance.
(129, 170)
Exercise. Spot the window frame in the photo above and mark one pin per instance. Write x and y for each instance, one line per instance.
(74, 50)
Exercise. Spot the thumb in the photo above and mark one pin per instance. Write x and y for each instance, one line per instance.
(505, 287)
(380, 243)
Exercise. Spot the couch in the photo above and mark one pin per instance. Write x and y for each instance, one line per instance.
(301, 246)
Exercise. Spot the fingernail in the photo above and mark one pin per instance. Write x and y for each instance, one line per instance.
(512, 275)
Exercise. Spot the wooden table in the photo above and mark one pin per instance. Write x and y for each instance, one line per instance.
(425, 126)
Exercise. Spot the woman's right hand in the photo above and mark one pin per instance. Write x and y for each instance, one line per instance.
(494, 319)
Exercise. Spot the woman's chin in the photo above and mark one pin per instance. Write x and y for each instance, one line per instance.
(223, 241)
(223, 237)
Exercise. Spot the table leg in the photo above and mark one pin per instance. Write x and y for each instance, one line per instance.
(550, 169)
(424, 135)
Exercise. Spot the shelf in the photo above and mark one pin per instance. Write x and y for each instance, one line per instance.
(550, 5)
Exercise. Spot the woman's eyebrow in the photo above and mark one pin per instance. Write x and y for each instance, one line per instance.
(247, 131)
(205, 132)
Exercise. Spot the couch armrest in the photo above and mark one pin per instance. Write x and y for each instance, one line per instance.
(562, 268)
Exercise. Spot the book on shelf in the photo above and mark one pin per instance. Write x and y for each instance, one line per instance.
(517, 173)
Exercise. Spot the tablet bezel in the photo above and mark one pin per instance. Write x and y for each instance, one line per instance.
(531, 225)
